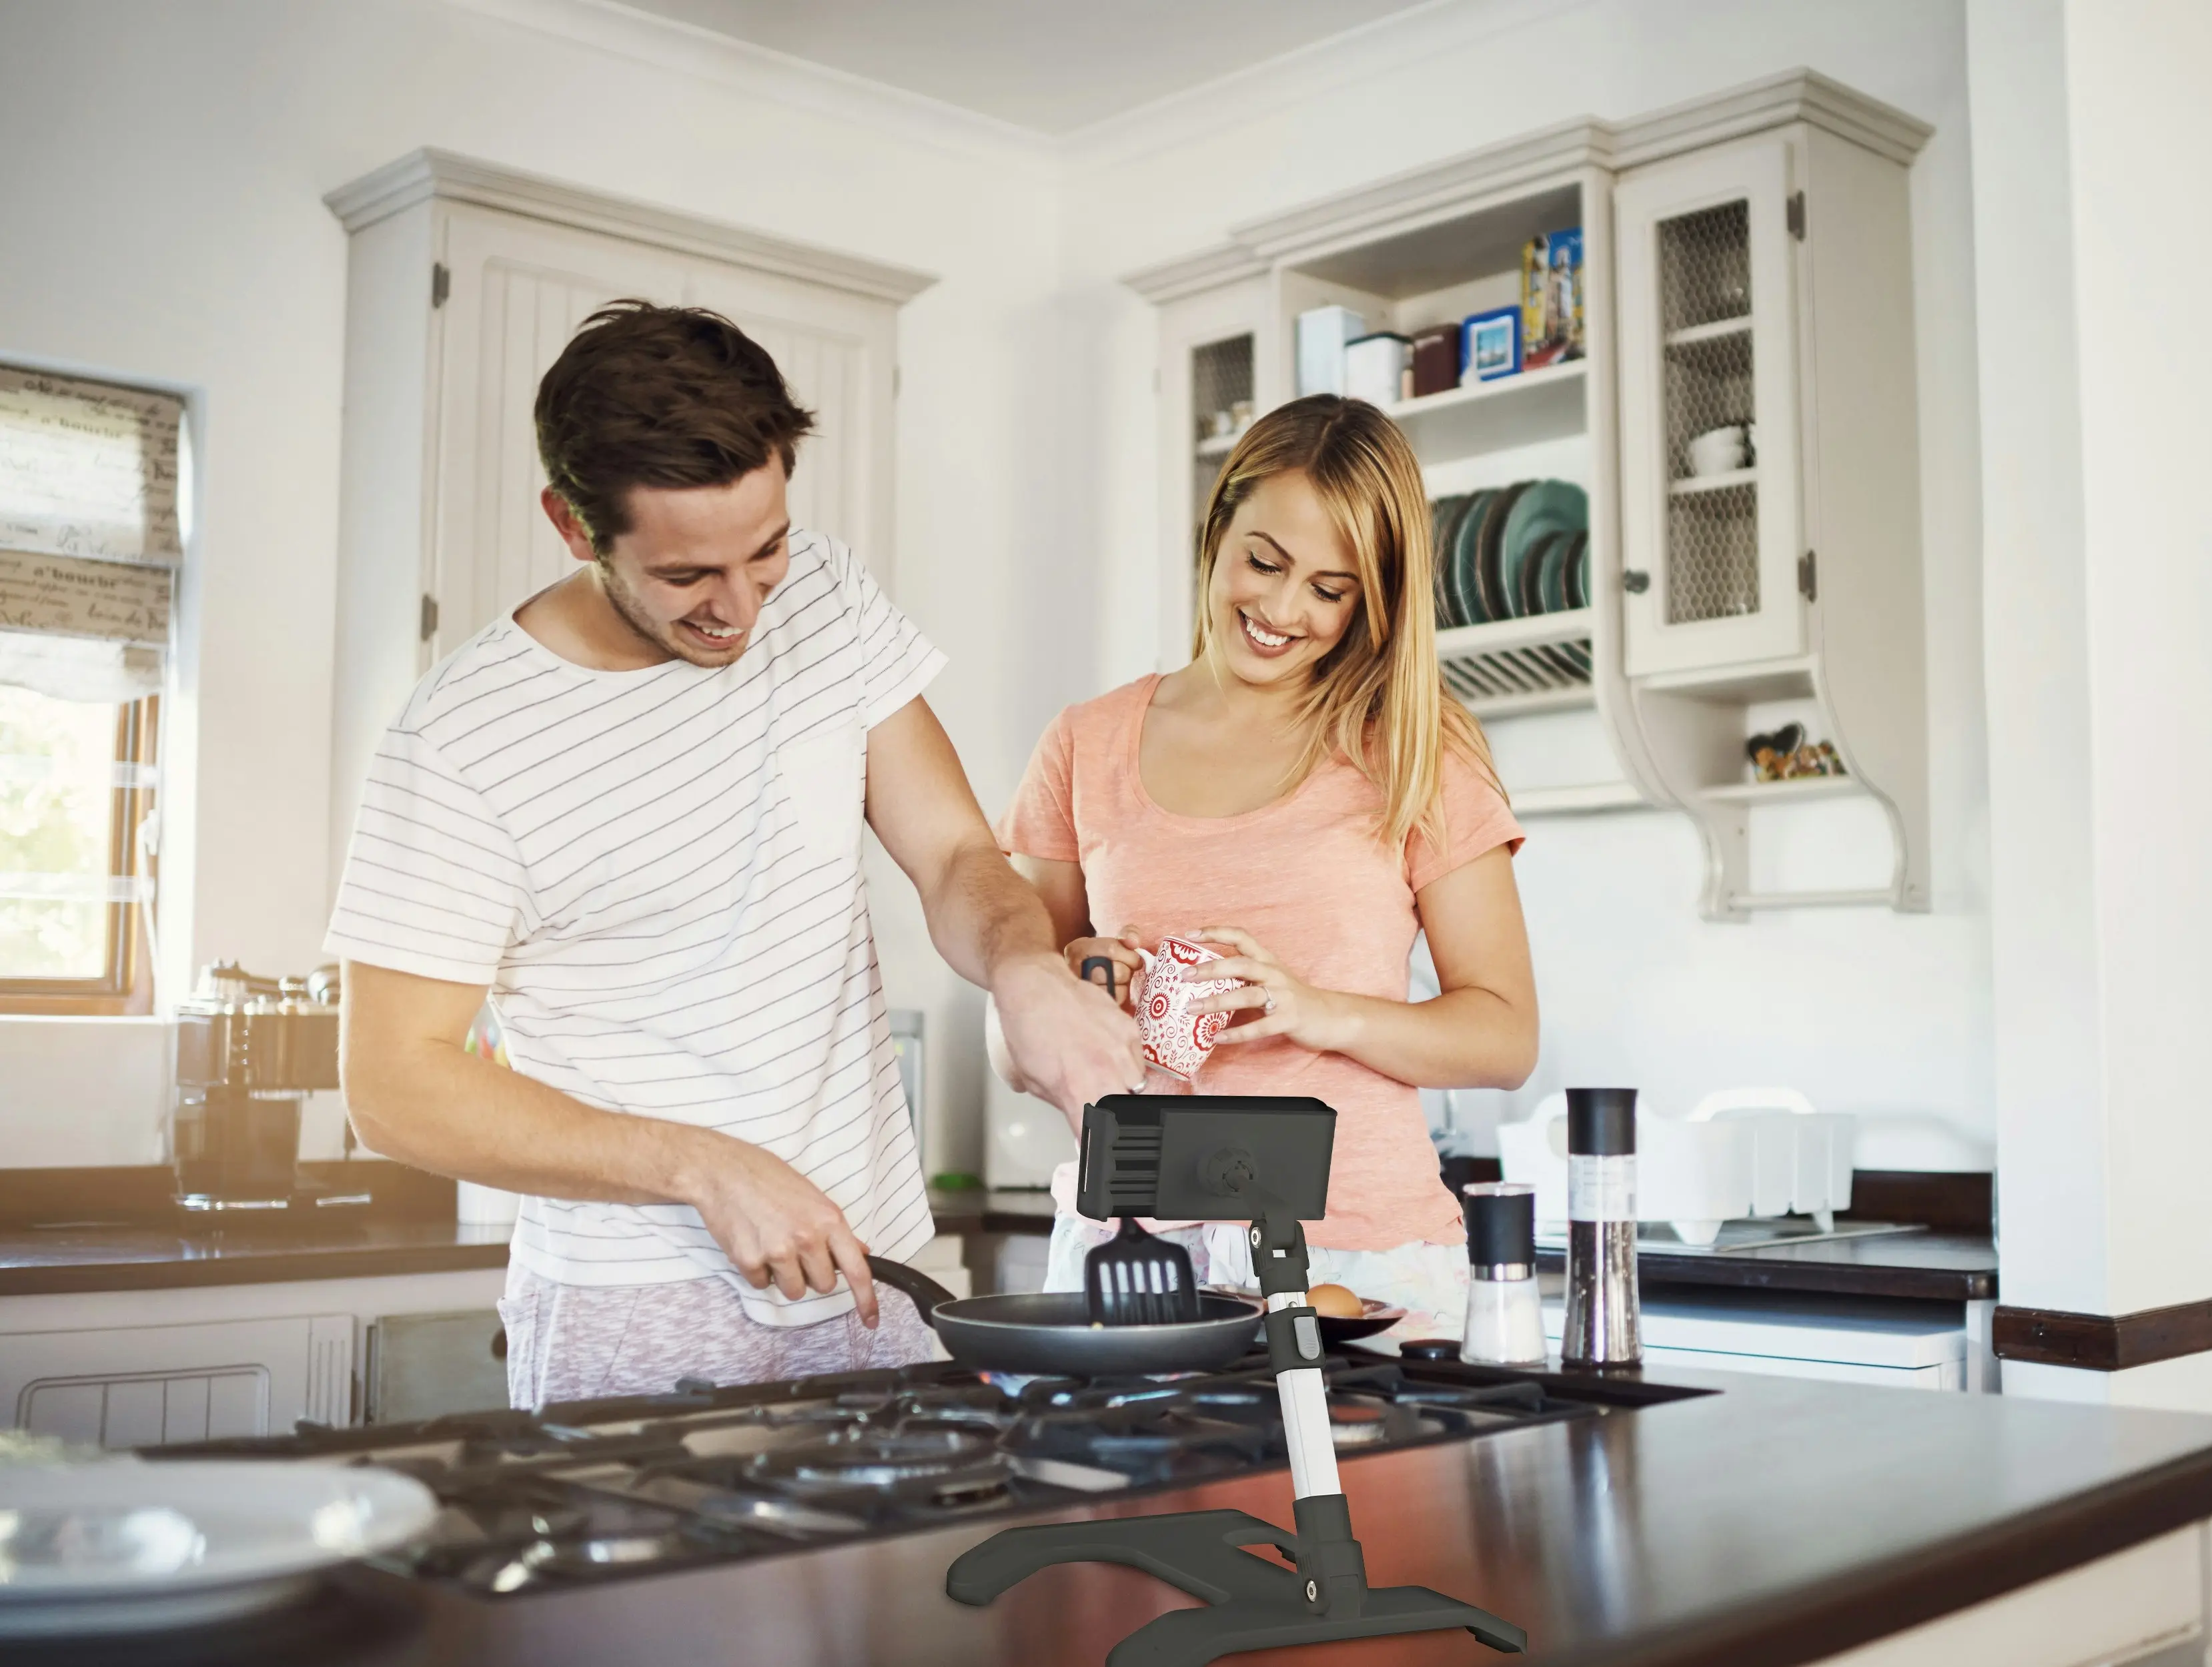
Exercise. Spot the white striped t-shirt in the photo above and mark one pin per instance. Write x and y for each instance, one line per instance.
(657, 874)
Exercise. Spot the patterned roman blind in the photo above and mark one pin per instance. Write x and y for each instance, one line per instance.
(93, 501)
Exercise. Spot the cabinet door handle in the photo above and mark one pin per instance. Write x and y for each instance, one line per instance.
(1635, 580)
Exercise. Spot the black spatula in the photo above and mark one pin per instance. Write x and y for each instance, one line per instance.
(1135, 1278)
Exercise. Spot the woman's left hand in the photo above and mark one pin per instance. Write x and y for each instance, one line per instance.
(1272, 1000)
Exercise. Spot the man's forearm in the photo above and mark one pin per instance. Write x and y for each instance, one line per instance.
(439, 1108)
(983, 914)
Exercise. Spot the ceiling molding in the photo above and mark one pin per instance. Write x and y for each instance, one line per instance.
(423, 174)
(1794, 95)
(764, 74)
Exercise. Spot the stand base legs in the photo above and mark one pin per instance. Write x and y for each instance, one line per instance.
(1252, 1604)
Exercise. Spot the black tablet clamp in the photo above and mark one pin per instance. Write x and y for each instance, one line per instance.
(1265, 1161)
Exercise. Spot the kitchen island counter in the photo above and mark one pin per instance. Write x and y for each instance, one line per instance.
(1777, 1521)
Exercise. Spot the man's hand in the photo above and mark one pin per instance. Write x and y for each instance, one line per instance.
(1123, 952)
(776, 1226)
(1070, 1042)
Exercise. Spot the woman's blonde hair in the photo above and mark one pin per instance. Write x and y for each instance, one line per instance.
(1377, 697)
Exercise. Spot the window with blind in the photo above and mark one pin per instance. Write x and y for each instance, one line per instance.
(93, 505)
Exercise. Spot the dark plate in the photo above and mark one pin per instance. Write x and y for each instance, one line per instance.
(1444, 519)
(1578, 572)
(1467, 598)
(1489, 573)
(1524, 572)
(1552, 571)
(1379, 1316)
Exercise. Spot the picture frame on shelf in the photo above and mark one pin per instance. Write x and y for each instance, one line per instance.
(1492, 344)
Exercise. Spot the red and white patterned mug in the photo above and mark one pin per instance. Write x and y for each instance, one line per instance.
(1177, 1039)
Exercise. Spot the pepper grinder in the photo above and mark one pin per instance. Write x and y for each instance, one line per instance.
(1601, 1321)
(1505, 1315)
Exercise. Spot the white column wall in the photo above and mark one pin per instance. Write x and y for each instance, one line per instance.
(2091, 238)
(2139, 96)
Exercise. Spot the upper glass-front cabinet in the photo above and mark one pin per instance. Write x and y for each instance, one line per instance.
(1710, 524)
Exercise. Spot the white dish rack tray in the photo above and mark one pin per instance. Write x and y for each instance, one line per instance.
(1743, 1152)
(1539, 664)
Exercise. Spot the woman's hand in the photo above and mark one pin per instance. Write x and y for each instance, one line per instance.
(1121, 951)
(1274, 1002)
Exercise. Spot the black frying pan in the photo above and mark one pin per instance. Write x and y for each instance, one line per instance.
(1050, 1332)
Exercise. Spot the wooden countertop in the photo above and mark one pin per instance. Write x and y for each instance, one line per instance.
(1779, 1522)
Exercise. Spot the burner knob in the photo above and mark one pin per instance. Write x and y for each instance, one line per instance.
(1429, 1348)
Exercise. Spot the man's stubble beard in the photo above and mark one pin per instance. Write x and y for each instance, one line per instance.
(633, 614)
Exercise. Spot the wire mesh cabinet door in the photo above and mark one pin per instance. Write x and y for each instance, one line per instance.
(1708, 433)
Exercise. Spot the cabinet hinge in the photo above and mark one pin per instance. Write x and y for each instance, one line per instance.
(1808, 577)
(441, 283)
(1635, 580)
(1795, 215)
(429, 616)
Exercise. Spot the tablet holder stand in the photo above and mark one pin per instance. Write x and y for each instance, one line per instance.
(1198, 1158)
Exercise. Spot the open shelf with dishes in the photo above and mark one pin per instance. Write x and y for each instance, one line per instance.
(1702, 362)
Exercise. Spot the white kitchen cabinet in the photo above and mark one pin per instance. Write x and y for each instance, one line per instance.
(1211, 360)
(1708, 338)
(1768, 282)
(464, 282)
(1747, 257)
(1899, 1344)
(133, 1386)
(2149, 1606)
(133, 1368)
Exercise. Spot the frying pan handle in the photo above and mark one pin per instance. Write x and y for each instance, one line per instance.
(926, 1292)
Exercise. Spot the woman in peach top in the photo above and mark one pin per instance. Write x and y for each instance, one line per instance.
(1305, 796)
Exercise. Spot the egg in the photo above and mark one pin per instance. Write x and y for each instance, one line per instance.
(1336, 1302)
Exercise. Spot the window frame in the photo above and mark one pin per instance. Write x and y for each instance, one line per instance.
(126, 987)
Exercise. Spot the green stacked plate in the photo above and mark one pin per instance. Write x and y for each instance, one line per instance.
(1529, 589)
(1466, 595)
(1443, 522)
(1578, 574)
(1545, 507)
(1497, 598)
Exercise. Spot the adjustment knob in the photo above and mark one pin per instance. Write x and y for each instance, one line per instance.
(1429, 1348)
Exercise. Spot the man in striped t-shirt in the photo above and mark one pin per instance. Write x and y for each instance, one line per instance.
(630, 813)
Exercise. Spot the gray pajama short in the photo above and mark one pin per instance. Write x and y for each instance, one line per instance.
(572, 1342)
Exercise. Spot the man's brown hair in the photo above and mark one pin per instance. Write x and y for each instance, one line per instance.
(659, 396)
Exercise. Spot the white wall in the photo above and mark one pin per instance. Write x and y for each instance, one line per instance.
(2095, 346)
(1867, 1011)
(161, 194)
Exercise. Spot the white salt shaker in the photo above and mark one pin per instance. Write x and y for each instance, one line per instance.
(1505, 1316)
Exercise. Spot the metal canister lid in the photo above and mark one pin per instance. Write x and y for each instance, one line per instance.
(1601, 1122)
(1501, 1224)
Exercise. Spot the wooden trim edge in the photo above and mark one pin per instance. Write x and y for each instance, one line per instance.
(2102, 1342)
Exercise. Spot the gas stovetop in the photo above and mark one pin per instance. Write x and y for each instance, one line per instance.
(603, 1490)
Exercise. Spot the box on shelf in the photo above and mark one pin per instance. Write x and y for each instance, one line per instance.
(1437, 360)
(1323, 333)
(1552, 298)
(1491, 344)
(1376, 367)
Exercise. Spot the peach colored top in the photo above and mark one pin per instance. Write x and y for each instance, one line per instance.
(1307, 877)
